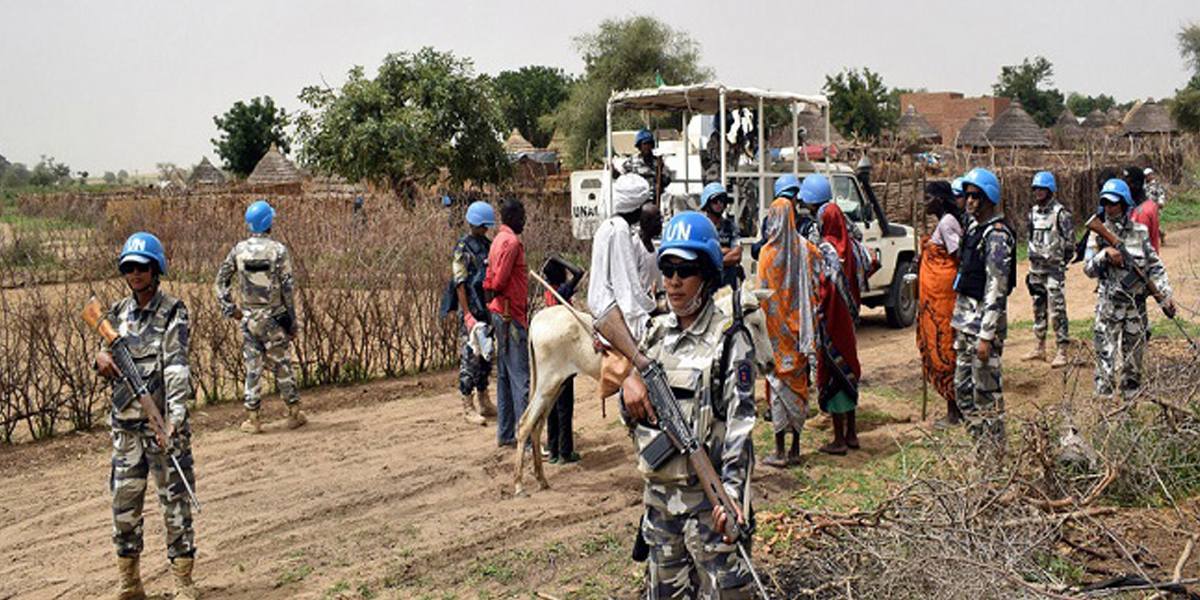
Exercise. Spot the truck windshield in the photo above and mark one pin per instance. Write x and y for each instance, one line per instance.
(849, 199)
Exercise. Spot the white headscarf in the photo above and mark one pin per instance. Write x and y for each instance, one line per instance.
(630, 192)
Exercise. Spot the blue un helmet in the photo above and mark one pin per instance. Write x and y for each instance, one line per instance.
(143, 248)
(643, 136)
(1045, 179)
(984, 180)
(481, 213)
(815, 189)
(956, 186)
(259, 216)
(787, 186)
(712, 192)
(691, 236)
(1116, 189)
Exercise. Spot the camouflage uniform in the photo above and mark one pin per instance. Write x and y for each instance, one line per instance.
(649, 171)
(977, 385)
(470, 258)
(1051, 244)
(266, 285)
(157, 338)
(688, 558)
(1120, 326)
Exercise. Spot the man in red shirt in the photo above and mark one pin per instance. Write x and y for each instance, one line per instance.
(508, 280)
(1145, 209)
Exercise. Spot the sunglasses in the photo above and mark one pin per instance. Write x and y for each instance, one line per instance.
(976, 196)
(129, 267)
(683, 270)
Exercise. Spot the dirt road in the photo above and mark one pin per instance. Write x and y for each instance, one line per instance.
(388, 494)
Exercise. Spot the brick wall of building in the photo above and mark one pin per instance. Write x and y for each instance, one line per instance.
(949, 111)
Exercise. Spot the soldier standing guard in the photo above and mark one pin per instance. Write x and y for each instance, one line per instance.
(1051, 246)
(155, 327)
(986, 275)
(689, 557)
(269, 319)
(1120, 329)
(468, 269)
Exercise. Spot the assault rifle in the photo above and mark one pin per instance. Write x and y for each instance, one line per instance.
(671, 421)
(1137, 274)
(93, 315)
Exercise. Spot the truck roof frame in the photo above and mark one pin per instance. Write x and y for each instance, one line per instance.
(709, 98)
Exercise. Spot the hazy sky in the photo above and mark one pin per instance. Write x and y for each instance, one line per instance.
(107, 85)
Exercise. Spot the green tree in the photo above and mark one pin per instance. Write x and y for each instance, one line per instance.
(49, 172)
(16, 175)
(529, 94)
(1025, 82)
(422, 113)
(1189, 47)
(1185, 109)
(122, 176)
(1083, 105)
(4, 164)
(622, 54)
(860, 104)
(247, 132)
(110, 177)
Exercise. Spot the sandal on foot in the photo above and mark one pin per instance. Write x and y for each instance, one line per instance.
(774, 461)
(794, 461)
(853, 444)
(573, 458)
(834, 450)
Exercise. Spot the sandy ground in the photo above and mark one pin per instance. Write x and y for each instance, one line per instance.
(388, 494)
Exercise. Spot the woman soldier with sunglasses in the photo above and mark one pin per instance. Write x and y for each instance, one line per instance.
(689, 558)
(987, 273)
(154, 325)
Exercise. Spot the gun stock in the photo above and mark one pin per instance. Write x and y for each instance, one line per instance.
(93, 315)
(612, 326)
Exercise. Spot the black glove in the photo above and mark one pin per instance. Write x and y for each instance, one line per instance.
(287, 322)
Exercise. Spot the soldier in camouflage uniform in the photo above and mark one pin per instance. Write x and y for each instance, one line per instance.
(986, 275)
(1051, 246)
(468, 268)
(646, 164)
(154, 324)
(1120, 328)
(268, 320)
(689, 557)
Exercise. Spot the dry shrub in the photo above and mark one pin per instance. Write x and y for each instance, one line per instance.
(368, 292)
(954, 526)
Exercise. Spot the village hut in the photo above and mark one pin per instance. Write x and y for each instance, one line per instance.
(1016, 129)
(516, 143)
(1148, 118)
(1095, 120)
(973, 134)
(1066, 131)
(206, 174)
(912, 126)
(274, 168)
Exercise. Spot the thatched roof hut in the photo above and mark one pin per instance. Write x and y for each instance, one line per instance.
(1095, 120)
(1066, 131)
(1116, 116)
(913, 126)
(517, 143)
(206, 174)
(275, 168)
(1016, 129)
(1148, 118)
(974, 133)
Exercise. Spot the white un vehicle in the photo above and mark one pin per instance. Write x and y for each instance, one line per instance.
(742, 161)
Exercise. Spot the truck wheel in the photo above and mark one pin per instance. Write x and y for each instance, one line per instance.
(901, 304)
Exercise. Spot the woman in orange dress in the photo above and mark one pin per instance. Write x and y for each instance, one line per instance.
(936, 296)
(786, 266)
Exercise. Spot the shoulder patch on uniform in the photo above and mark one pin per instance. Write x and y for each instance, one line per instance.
(745, 376)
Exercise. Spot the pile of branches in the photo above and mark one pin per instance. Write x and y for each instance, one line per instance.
(1036, 525)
